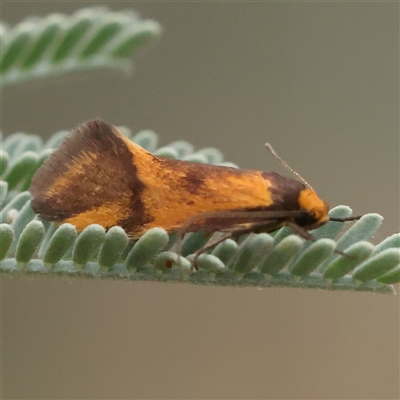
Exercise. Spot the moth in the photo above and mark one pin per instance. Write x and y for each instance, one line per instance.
(98, 176)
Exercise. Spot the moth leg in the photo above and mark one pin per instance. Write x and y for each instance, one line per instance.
(307, 235)
(209, 245)
(232, 233)
(300, 231)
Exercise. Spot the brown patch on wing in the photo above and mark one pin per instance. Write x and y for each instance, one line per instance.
(285, 191)
(91, 178)
(193, 181)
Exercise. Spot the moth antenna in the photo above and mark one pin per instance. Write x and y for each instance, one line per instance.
(285, 164)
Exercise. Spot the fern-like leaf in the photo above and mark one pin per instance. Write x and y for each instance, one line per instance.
(28, 245)
(91, 38)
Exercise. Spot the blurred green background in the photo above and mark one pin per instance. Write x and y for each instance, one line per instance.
(319, 81)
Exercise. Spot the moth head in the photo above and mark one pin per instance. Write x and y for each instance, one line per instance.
(316, 208)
